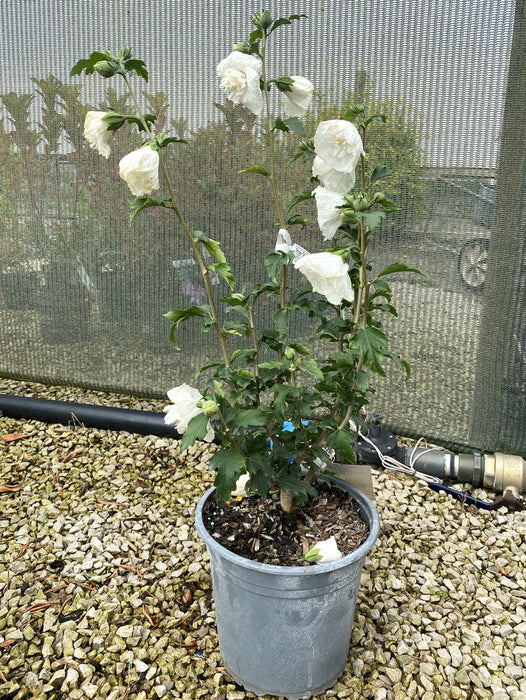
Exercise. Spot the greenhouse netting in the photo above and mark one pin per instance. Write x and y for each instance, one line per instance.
(83, 292)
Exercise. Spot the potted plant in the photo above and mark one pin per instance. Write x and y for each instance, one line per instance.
(276, 524)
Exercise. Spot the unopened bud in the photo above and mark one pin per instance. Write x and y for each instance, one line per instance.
(265, 20)
(290, 353)
(243, 46)
(105, 68)
(262, 21)
(361, 202)
(208, 407)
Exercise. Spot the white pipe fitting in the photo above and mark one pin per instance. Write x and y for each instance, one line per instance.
(505, 473)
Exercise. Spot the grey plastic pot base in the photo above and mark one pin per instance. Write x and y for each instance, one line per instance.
(288, 696)
(285, 630)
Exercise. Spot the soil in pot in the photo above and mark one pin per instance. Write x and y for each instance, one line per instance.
(259, 530)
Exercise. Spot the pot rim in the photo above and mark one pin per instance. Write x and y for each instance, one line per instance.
(365, 504)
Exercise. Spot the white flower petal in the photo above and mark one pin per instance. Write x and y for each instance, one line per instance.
(296, 102)
(140, 170)
(328, 275)
(339, 144)
(239, 73)
(328, 550)
(183, 408)
(240, 486)
(96, 132)
(329, 218)
(331, 179)
(283, 241)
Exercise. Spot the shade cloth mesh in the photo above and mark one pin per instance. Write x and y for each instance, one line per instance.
(83, 293)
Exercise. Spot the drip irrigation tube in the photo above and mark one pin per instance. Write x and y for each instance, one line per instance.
(498, 471)
(90, 415)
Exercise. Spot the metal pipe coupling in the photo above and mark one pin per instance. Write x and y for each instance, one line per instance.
(505, 473)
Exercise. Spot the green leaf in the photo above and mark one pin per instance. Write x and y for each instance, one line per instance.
(380, 172)
(254, 416)
(375, 118)
(280, 125)
(236, 328)
(138, 66)
(259, 481)
(401, 364)
(300, 197)
(88, 64)
(361, 380)
(177, 316)
(342, 441)
(140, 203)
(255, 36)
(273, 263)
(279, 23)
(197, 429)
(213, 247)
(285, 20)
(371, 343)
(295, 484)
(311, 366)
(255, 169)
(223, 270)
(281, 320)
(163, 140)
(235, 300)
(372, 218)
(230, 464)
(296, 125)
(401, 267)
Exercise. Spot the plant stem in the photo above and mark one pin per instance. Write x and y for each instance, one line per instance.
(272, 177)
(187, 232)
(287, 501)
(256, 352)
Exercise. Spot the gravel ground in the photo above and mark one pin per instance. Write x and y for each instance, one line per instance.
(105, 588)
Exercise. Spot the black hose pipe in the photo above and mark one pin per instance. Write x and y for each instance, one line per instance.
(90, 415)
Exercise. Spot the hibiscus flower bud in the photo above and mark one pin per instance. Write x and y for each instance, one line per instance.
(209, 407)
(96, 132)
(105, 68)
(243, 47)
(140, 170)
(297, 99)
(263, 21)
(328, 275)
(240, 73)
